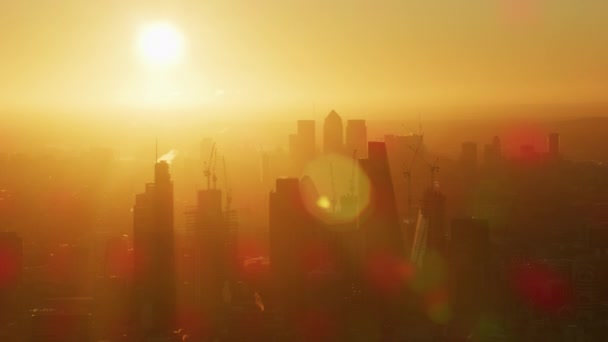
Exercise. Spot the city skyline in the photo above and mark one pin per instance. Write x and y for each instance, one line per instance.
(303, 170)
(303, 240)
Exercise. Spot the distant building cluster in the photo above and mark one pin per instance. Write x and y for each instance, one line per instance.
(362, 240)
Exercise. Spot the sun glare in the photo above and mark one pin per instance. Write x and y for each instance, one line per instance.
(160, 44)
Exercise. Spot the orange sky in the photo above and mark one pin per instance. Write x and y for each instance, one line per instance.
(346, 54)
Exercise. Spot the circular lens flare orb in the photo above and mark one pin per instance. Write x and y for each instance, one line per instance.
(339, 189)
(160, 44)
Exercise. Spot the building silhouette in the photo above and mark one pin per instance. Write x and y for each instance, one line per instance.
(434, 212)
(430, 233)
(11, 256)
(307, 140)
(469, 156)
(212, 253)
(492, 153)
(302, 146)
(11, 273)
(265, 170)
(356, 137)
(383, 241)
(153, 243)
(114, 305)
(333, 134)
(407, 161)
(469, 257)
(380, 225)
(52, 325)
(295, 237)
(529, 155)
(288, 228)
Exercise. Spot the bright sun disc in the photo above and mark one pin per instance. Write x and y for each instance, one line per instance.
(160, 44)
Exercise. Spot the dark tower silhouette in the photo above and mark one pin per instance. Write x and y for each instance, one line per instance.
(265, 170)
(333, 134)
(529, 155)
(154, 255)
(11, 269)
(286, 230)
(468, 156)
(380, 223)
(469, 255)
(307, 140)
(302, 146)
(492, 154)
(356, 137)
(382, 239)
(212, 256)
(293, 232)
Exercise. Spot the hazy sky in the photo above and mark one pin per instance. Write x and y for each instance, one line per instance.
(347, 54)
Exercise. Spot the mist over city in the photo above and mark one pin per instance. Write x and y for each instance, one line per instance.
(303, 171)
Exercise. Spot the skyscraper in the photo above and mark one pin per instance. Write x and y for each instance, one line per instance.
(302, 146)
(11, 269)
(11, 260)
(380, 220)
(468, 156)
(356, 137)
(383, 241)
(529, 155)
(307, 140)
(211, 254)
(265, 177)
(333, 134)
(469, 255)
(153, 243)
(492, 153)
(293, 232)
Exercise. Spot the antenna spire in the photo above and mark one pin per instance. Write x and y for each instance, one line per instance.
(156, 151)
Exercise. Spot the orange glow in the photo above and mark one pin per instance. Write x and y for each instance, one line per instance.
(406, 55)
(168, 157)
(388, 274)
(9, 268)
(464, 180)
(541, 287)
(329, 204)
(316, 325)
(519, 135)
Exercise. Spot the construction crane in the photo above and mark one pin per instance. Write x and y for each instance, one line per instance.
(408, 174)
(433, 167)
(214, 176)
(209, 167)
(228, 190)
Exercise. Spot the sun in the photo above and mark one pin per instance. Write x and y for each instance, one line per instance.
(160, 44)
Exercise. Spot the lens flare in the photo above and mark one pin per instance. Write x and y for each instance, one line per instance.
(324, 203)
(341, 189)
(168, 157)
